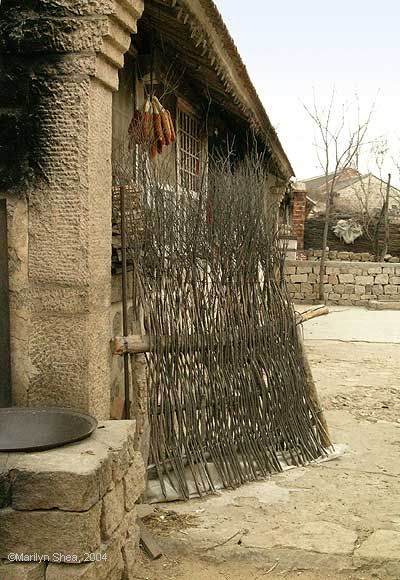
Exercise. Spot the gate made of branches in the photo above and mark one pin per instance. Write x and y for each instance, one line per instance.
(227, 378)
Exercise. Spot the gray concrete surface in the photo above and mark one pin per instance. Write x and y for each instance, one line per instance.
(354, 324)
(334, 520)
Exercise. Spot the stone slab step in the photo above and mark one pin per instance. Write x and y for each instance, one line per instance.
(375, 305)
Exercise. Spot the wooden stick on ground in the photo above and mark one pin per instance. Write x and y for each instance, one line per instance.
(311, 313)
(148, 543)
(311, 386)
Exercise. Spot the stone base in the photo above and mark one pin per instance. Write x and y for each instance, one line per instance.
(70, 513)
(375, 305)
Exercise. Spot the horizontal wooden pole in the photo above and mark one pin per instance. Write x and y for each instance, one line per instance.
(136, 343)
(133, 343)
(310, 314)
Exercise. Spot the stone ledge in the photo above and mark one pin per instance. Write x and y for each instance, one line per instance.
(113, 511)
(108, 566)
(382, 305)
(339, 263)
(134, 482)
(51, 526)
(49, 532)
(113, 560)
(72, 478)
(13, 571)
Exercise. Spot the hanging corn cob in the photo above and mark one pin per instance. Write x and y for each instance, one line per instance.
(154, 149)
(166, 128)
(171, 124)
(147, 121)
(157, 123)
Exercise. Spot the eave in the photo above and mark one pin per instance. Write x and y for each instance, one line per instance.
(213, 49)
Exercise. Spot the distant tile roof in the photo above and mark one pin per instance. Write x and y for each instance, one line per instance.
(316, 185)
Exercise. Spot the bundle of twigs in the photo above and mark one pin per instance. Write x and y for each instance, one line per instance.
(241, 403)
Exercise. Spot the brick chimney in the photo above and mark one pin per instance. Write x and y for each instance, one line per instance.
(299, 212)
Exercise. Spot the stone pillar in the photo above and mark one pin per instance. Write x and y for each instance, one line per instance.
(59, 62)
(299, 213)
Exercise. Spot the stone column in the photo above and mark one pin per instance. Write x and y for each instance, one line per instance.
(59, 62)
(299, 212)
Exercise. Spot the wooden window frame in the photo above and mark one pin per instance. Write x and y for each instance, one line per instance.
(184, 147)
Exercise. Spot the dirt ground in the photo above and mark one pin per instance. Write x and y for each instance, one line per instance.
(334, 520)
(195, 569)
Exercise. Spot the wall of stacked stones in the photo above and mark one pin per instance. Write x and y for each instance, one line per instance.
(355, 283)
(346, 256)
(70, 513)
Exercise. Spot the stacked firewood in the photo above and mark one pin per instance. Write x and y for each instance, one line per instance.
(153, 126)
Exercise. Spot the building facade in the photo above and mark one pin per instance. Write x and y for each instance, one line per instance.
(73, 75)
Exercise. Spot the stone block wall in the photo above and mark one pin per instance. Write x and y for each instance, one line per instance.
(346, 256)
(69, 513)
(355, 283)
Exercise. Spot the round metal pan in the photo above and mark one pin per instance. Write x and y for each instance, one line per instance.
(37, 429)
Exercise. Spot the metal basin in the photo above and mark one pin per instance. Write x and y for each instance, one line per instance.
(36, 429)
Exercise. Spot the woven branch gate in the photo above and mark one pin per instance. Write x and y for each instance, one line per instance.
(226, 373)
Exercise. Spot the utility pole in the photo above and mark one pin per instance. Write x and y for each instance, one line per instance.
(385, 248)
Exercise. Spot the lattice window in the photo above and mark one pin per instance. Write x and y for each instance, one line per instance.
(191, 151)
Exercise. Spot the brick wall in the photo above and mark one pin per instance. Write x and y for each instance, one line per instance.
(355, 283)
(299, 216)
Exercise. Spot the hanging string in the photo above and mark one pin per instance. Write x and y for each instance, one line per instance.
(152, 63)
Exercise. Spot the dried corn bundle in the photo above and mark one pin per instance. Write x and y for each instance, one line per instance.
(153, 126)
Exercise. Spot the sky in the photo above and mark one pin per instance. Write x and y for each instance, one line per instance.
(294, 49)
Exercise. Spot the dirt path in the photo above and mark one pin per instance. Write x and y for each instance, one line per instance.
(184, 568)
(339, 519)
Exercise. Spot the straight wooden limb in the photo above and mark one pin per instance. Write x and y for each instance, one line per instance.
(313, 394)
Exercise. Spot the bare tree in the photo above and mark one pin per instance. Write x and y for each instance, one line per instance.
(385, 248)
(371, 198)
(338, 142)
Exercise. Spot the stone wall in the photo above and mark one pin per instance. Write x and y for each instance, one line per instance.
(70, 512)
(356, 283)
(345, 256)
